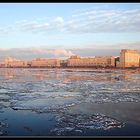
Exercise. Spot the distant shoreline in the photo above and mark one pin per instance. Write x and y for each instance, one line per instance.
(99, 68)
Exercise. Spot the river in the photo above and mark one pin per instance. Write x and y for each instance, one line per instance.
(69, 102)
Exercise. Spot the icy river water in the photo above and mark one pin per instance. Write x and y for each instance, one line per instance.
(69, 102)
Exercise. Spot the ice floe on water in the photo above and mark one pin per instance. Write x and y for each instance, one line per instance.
(42, 102)
(4, 97)
(78, 124)
(55, 91)
(112, 98)
(63, 88)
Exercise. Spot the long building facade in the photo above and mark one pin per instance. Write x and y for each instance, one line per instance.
(10, 62)
(45, 63)
(129, 58)
(77, 61)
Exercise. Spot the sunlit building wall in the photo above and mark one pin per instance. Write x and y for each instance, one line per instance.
(45, 63)
(129, 58)
(11, 62)
(19, 64)
(8, 61)
(102, 61)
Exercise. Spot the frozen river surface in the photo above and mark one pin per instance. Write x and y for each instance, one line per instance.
(69, 102)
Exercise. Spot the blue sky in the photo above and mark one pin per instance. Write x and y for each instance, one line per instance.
(69, 26)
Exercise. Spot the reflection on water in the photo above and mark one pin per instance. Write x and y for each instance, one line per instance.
(69, 75)
(83, 91)
(7, 74)
(40, 77)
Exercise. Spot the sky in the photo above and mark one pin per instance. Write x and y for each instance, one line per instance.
(31, 30)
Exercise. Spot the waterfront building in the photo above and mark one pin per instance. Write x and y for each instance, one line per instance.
(117, 62)
(11, 62)
(63, 63)
(98, 61)
(2, 64)
(129, 58)
(8, 61)
(39, 62)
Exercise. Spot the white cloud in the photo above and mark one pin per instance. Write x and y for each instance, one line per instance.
(55, 52)
(59, 20)
(85, 21)
(107, 21)
(45, 26)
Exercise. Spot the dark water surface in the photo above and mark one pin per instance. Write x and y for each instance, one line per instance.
(69, 102)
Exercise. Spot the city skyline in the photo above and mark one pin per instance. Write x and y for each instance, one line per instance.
(127, 58)
(62, 30)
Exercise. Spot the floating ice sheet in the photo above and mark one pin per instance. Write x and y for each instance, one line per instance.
(64, 87)
(43, 102)
(76, 124)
